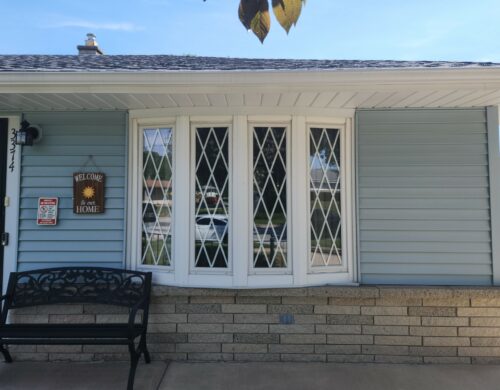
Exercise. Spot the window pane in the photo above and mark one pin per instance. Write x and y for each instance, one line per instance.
(157, 197)
(269, 197)
(325, 195)
(211, 197)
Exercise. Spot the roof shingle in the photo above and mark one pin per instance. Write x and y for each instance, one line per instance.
(166, 63)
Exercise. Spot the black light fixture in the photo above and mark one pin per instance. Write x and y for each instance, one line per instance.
(28, 134)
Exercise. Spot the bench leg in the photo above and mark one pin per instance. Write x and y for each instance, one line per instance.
(134, 360)
(143, 347)
(6, 354)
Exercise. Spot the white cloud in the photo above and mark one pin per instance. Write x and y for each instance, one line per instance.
(95, 25)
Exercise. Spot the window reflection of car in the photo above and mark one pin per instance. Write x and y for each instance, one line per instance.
(211, 227)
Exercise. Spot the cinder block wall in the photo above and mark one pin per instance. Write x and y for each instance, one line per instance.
(322, 324)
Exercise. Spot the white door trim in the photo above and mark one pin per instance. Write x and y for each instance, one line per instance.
(13, 182)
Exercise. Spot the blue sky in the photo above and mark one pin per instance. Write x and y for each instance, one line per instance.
(331, 29)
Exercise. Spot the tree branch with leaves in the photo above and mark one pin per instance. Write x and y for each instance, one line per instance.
(255, 16)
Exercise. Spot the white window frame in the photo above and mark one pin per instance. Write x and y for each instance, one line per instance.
(241, 273)
(343, 267)
(252, 270)
(193, 270)
(136, 164)
(301, 217)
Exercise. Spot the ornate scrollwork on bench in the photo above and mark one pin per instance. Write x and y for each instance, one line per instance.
(77, 285)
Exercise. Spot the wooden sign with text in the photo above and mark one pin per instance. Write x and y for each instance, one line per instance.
(88, 192)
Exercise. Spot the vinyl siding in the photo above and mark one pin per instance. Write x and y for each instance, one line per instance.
(47, 169)
(423, 197)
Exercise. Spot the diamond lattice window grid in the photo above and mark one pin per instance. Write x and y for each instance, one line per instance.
(269, 197)
(157, 197)
(211, 197)
(325, 198)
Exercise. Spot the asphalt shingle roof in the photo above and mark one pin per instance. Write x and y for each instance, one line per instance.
(158, 63)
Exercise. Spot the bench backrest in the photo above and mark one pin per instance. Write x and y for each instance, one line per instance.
(78, 285)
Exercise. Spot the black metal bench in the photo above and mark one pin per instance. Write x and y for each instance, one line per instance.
(77, 285)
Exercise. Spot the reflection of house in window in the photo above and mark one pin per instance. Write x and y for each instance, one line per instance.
(326, 242)
(326, 188)
(210, 193)
(317, 175)
(158, 190)
(157, 193)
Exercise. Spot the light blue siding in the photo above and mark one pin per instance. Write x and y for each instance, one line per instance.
(423, 197)
(47, 168)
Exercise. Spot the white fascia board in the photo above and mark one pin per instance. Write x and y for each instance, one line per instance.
(216, 81)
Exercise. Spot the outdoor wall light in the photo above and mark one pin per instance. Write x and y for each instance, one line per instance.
(28, 134)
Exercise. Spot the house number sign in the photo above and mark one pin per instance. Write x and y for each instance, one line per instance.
(88, 192)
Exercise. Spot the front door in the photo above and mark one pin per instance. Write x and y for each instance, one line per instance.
(3, 187)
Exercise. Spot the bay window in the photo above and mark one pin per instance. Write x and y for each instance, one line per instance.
(287, 218)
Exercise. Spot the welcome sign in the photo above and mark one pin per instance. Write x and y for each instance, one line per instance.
(88, 192)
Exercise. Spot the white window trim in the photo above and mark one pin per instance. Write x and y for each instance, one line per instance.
(252, 270)
(346, 274)
(181, 203)
(136, 191)
(343, 267)
(13, 189)
(193, 270)
(240, 275)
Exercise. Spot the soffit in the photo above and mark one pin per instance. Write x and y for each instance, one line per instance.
(321, 91)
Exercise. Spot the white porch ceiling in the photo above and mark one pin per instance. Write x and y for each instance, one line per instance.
(307, 99)
(313, 90)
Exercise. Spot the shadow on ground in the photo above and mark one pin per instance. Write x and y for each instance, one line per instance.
(78, 376)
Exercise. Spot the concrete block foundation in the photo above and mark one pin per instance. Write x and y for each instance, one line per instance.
(414, 325)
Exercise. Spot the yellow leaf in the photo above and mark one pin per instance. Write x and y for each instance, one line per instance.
(247, 11)
(287, 12)
(254, 14)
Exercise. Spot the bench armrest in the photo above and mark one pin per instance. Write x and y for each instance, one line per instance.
(3, 316)
(3, 298)
(133, 312)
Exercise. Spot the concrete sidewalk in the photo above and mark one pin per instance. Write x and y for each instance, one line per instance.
(243, 376)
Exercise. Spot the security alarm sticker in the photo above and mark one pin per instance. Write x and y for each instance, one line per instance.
(47, 211)
(88, 192)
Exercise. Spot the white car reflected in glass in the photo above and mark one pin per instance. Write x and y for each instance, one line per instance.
(211, 227)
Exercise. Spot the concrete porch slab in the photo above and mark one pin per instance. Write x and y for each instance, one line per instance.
(78, 376)
(320, 376)
(246, 376)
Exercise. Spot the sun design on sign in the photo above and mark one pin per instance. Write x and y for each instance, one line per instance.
(88, 192)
